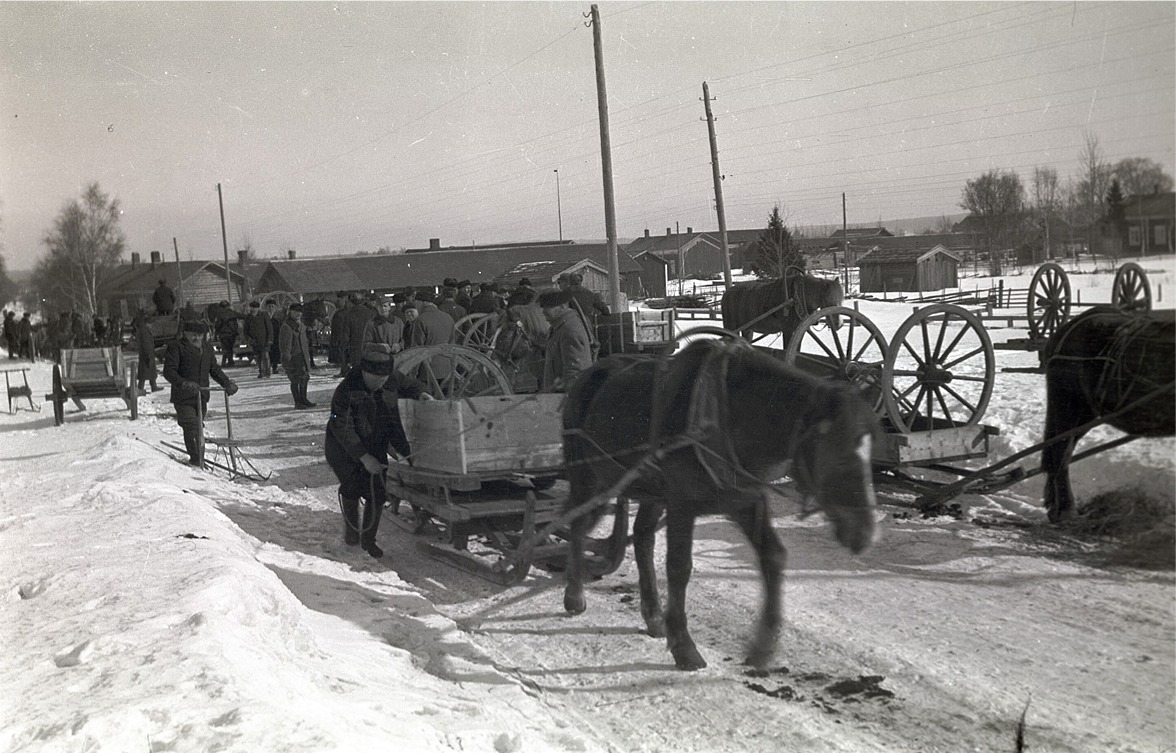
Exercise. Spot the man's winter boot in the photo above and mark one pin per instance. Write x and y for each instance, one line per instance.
(296, 393)
(302, 391)
(371, 525)
(192, 445)
(350, 521)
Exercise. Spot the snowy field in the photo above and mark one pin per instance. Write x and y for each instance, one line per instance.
(151, 607)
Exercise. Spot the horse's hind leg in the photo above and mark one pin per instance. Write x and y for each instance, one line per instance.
(574, 602)
(644, 538)
(757, 526)
(679, 565)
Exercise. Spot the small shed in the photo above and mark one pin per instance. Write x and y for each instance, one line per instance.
(913, 270)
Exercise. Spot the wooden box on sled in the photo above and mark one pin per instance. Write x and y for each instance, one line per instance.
(497, 433)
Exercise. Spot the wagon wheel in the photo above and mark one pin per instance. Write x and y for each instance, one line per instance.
(1131, 290)
(684, 338)
(938, 370)
(1049, 301)
(283, 299)
(476, 331)
(58, 397)
(453, 371)
(853, 352)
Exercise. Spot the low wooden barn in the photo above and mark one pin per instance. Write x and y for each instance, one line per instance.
(200, 283)
(913, 270)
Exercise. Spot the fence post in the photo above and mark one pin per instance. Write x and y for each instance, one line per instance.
(1000, 301)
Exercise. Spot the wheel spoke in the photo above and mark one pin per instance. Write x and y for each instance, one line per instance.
(914, 355)
(943, 407)
(965, 357)
(963, 401)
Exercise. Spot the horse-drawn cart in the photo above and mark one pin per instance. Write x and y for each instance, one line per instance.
(482, 475)
(93, 373)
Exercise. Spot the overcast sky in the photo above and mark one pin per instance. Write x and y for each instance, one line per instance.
(339, 127)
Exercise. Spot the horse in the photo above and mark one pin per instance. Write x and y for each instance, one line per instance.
(1098, 365)
(713, 425)
(778, 305)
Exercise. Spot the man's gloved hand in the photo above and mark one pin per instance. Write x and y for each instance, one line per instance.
(371, 465)
(188, 387)
(231, 389)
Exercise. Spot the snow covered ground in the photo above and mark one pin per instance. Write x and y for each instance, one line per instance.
(151, 607)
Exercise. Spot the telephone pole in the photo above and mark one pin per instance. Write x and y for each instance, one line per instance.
(718, 179)
(225, 244)
(610, 213)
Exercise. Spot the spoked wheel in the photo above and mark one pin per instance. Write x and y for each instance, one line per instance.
(686, 337)
(852, 350)
(58, 397)
(938, 370)
(477, 331)
(1049, 301)
(1131, 290)
(452, 372)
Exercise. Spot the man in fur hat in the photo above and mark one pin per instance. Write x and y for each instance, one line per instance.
(364, 424)
(188, 364)
(569, 350)
(295, 347)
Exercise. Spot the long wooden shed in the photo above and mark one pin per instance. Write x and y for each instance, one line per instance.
(888, 270)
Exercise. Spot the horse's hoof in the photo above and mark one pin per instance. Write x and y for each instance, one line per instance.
(655, 628)
(760, 659)
(574, 605)
(688, 658)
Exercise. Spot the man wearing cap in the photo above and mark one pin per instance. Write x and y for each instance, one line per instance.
(384, 329)
(338, 333)
(145, 344)
(589, 302)
(450, 305)
(187, 364)
(259, 329)
(359, 313)
(163, 298)
(463, 294)
(276, 319)
(227, 330)
(295, 347)
(522, 294)
(364, 423)
(485, 302)
(433, 326)
(568, 349)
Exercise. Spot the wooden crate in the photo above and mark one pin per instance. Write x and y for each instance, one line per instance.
(499, 433)
(635, 331)
(935, 446)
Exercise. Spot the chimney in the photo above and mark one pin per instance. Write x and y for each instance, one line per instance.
(689, 231)
(668, 233)
(434, 244)
(135, 259)
(156, 258)
(646, 232)
(242, 257)
(290, 254)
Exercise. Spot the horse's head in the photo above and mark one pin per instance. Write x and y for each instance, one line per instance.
(832, 463)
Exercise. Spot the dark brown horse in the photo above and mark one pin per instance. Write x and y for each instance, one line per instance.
(1105, 363)
(789, 299)
(721, 421)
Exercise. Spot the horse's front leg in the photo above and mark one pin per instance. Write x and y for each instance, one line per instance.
(574, 602)
(1062, 413)
(756, 523)
(679, 565)
(644, 538)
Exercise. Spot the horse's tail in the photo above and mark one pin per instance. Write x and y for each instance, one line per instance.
(576, 403)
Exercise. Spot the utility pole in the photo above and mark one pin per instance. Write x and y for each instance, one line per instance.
(179, 270)
(681, 261)
(610, 214)
(844, 242)
(718, 180)
(558, 207)
(225, 244)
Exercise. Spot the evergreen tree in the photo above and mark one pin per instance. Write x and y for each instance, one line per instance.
(774, 251)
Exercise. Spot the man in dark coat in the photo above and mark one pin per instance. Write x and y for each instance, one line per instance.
(589, 302)
(358, 315)
(259, 329)
(11, 334)
(568, 349)
(463, 295)
(295, 347)
(24, 332)
(271, 308)
(338, 331)
(364, 423)
(485, 302)
(145, 343)
(163, 298)
(227, 330)
(433, 326)
(450, 305)
(187, 364)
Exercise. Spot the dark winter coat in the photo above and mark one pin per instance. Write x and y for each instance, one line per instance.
(568, 352)
(164, 299)
(364, 422)
(354, 322)
(293, 343)
(432, 327)
(451, 307)
(589, 301)
(184, 363)
(259, 328)
(484, 303)
(387, 331)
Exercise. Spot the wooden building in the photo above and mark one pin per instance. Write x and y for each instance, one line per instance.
(908, 270)
(200, 283)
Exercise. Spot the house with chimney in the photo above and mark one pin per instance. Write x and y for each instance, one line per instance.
(131, 285)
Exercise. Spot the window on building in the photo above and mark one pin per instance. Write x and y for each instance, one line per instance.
(1133, 236)
(1160, 236)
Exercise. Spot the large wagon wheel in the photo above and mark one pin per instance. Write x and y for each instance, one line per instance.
(1049, 301)
(59, 397)
(938, 370)
(476, 331)
(1131, 290)
(453, 371)
(854, 352)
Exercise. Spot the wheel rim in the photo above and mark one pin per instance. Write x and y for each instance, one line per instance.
(477, 331)
(1049, 301)
(938, 370)
(854, 352)
(1131, 290)
(451, 372)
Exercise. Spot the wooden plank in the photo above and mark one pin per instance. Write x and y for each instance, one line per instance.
(938, 445)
